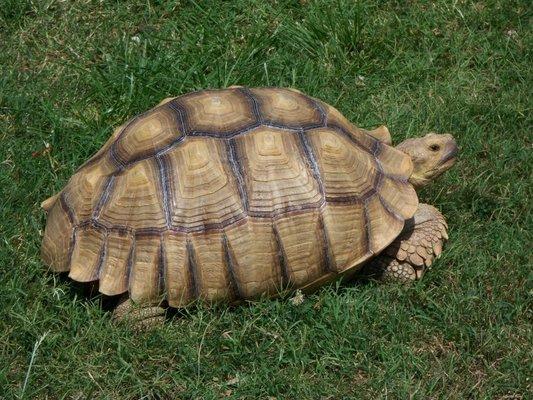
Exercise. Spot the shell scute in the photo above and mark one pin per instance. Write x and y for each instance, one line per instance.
(277, 177)
(256, 258)
(145, 275)
(347, 171)
(55, 248)
(87, 255)
(206, 191)
(114, 274)
(287, 108)
(345, 225)
(337, 121)
(147, 135)
(218, 113)
(87, 186)
(135, 198)
(304, 249)
(383, 225)
(178, 287)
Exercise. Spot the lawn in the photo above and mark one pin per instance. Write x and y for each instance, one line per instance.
(70, 71)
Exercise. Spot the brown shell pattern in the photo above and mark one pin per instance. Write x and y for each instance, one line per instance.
(228, 195)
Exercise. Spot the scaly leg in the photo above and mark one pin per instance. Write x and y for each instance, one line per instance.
(420, 242)
(140, 316)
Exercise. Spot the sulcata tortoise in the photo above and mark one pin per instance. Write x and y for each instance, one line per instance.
(240, 193)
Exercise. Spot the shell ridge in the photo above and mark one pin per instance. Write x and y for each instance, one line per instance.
(317, 106)
(389, 210)
(311, 162)
(229, 260)
(161, 268)
(104, 196)
(176, 106)
(326, 246)
(256, 105)
(130, 262)
(236, 168)
(102, 256)
(193, 269)
(65, 206)
(165, 181)
(70, 215)
(367, 225)
(225, 135)
(376, 148)
(285, 278)
(72, 244)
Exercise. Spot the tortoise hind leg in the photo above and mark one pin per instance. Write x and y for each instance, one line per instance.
(413, 252)
(140, 316)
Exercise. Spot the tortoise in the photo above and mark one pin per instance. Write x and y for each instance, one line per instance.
(238, 193)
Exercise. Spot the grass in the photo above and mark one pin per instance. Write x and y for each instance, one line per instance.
(70, 71)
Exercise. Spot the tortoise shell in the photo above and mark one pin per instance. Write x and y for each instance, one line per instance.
(228, 195)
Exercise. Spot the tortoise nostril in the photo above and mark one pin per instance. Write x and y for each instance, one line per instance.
(434, 147)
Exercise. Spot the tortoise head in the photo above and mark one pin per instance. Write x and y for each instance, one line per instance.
(432, 155)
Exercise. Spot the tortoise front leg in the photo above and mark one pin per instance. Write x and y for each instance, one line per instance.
(420, 242)
(141, 316)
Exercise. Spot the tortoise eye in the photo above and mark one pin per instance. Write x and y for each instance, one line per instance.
(434, 147)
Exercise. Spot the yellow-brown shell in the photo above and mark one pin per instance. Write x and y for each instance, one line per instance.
(229, 194)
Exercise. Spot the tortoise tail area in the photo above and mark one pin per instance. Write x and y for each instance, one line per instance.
(47, 204)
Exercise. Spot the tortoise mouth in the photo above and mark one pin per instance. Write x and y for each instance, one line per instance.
(451, 156)
(447, 163)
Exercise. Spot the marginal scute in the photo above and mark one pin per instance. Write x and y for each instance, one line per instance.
(57, 237)
(383, 226)
(115, 266)
(47, 204)
(382, 134)
(303, 244)
(86, 187)
(256, 260)
(395, 163)
(345, 225)
(400, 197)
(213, 275)
(337, 121)
(89, 248)
(220, 113)
(287, 108)
(146, 269)
(178, 284)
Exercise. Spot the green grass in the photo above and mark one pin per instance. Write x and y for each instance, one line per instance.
(71, 71)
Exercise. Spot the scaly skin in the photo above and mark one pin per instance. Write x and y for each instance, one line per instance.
(140, 316)
(413, 252)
